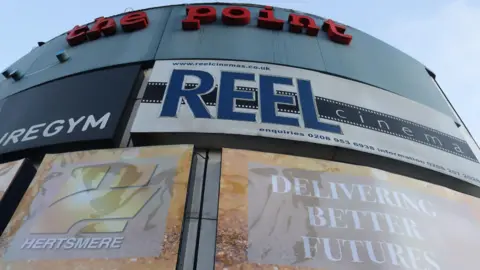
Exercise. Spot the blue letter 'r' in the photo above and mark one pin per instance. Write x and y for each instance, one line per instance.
(175, 93)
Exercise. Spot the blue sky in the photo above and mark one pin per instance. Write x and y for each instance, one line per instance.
(442, 34)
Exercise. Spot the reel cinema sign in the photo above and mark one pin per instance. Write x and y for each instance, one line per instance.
(266, 100)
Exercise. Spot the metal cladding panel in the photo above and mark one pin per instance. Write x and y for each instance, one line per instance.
(87, 107)
(41, 65)
(372, 61)
(366, 59)
(247, 43)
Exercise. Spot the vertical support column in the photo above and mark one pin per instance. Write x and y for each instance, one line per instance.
(191, 221)
(134, 102)
(205, 258)
(198, 240)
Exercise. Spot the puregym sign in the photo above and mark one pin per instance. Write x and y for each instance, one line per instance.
(57, 127)
(87, 107)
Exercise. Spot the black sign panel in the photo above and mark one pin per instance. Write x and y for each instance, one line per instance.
(78, 109)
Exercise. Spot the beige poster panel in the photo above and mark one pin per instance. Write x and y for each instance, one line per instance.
(101, 209)
(285, 212)
(8, 171)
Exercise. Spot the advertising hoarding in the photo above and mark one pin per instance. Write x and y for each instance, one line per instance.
(86, 107)
(15, 176)
(8, 172)
(256, 99)
(285, 212)
(102, 209)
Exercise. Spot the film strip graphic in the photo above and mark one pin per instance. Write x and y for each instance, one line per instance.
(339, 112)
(155, 93)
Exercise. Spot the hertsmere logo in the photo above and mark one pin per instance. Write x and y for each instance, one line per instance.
(84, 199)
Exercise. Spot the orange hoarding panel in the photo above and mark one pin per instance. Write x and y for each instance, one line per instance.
(284, 212)
(102, 209)
(15, 176)
(8, 171)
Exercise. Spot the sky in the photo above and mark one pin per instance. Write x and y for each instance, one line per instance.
(442, 34)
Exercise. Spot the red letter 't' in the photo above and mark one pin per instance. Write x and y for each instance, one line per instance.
(197, 15)
(77, 35)
(267, 20)
(298, 22)
(134, 21)
(336, 32)
(107, 26)
(236, 16)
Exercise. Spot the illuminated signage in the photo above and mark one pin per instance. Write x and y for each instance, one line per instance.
(107, 26)
(235, 15)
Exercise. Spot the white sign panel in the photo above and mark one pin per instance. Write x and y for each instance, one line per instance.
(245, 98)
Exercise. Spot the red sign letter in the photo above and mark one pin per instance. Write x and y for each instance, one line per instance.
(236, 16)
(298, 22)
(134, 21)
(267, 20)
(336, 32)
(107, 26)
(77, 35)
(197, 15)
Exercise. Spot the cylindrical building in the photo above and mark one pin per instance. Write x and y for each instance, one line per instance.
(221, 136)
